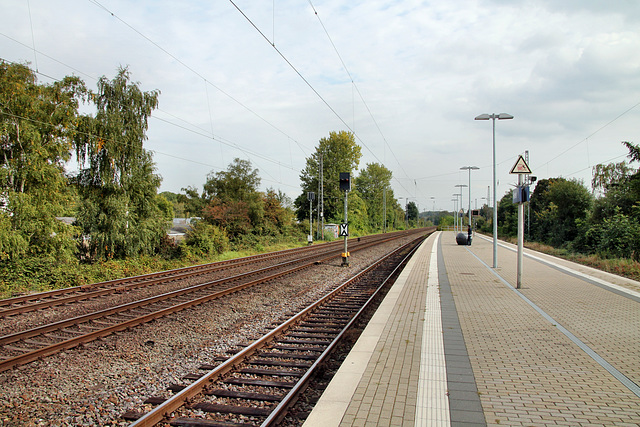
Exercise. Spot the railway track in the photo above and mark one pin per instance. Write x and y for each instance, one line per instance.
(258, 385)
(28, 345)
(27, 303)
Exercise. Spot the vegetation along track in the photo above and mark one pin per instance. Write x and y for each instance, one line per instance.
(27, 303)
(28, 345)
(257, 385)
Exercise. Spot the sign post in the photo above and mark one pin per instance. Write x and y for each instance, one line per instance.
(521, 195)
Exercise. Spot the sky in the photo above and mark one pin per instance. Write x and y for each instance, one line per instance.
(266, 80)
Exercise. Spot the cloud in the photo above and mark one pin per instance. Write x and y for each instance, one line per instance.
(425, 70)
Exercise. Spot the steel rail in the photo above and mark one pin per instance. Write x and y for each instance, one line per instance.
(164, 410)
(11, 306)
(290, 398)
(23, 304)
(29, 356)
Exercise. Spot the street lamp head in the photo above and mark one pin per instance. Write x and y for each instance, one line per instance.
(461, 185)
(501, 116)
(469, 167)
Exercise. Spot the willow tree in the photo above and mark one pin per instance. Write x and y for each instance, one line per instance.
(37, 122)
(117, 183)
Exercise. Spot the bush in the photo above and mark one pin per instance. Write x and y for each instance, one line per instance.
(204, 238)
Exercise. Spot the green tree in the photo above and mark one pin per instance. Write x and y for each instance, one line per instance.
(558, 205)
(372, 184)
(278, 215)
(233, 200)
(412, 213)
(37, 123)
(193, 203)
(118, 185)
(507, 216)
(356, 214)
(612, 228)
(340, 153)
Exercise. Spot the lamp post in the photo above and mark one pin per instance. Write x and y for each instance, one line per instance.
(454, 208)
(455, 214)
(469, 168)
(461, 201)
(494, 116)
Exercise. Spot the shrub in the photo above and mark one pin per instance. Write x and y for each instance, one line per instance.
(204, 238)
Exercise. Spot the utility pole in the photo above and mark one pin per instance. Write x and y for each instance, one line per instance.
(321, 199)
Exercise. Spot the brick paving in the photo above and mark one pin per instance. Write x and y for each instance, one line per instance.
(527, 371)
(506, 363)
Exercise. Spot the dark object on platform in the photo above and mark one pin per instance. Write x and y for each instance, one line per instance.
(461, 239)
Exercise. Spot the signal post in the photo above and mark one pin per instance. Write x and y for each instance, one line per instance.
(345, 185)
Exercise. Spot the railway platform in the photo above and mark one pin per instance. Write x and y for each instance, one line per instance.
(455, 344)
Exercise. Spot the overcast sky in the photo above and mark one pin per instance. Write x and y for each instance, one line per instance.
(407, 77)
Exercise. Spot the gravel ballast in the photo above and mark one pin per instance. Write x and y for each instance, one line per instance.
(93, 385)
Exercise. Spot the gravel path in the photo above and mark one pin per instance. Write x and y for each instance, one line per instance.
(95, 384)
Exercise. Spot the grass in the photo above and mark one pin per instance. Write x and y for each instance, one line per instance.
(624, 267)
(621, 266)
(34, 275)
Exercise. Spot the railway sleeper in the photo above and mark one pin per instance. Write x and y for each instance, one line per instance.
(298, 348)
(194, 422)
(272, 372)
(274, 355)
(232, 394)
(267, 362)
(258, 382)
(306, 341)
(315, 334)
(232, 409)
(68, 331)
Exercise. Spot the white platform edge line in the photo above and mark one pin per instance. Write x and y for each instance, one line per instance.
(333, 404)
(432, 406)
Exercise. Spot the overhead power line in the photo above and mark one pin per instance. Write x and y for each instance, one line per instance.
(198, 74)
(340, 118)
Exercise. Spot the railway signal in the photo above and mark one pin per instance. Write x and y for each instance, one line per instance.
(345, 185)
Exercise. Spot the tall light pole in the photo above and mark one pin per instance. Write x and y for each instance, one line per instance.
(454, 208)
(461, 201)
(494, 116)
(455, 214)
(469, 168)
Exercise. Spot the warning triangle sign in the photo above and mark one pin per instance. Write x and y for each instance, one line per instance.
(521, 167)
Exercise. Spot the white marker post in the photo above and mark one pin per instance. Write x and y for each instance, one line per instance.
(520, 196)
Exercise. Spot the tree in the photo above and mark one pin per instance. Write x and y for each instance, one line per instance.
(507, 216)
(558, 205)
(340, 153)
(37, 123)
(412, 212)
(233, 200)
(118, 185)
(278, 216)
(612, 228)
(193, 203)
(372, 184)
